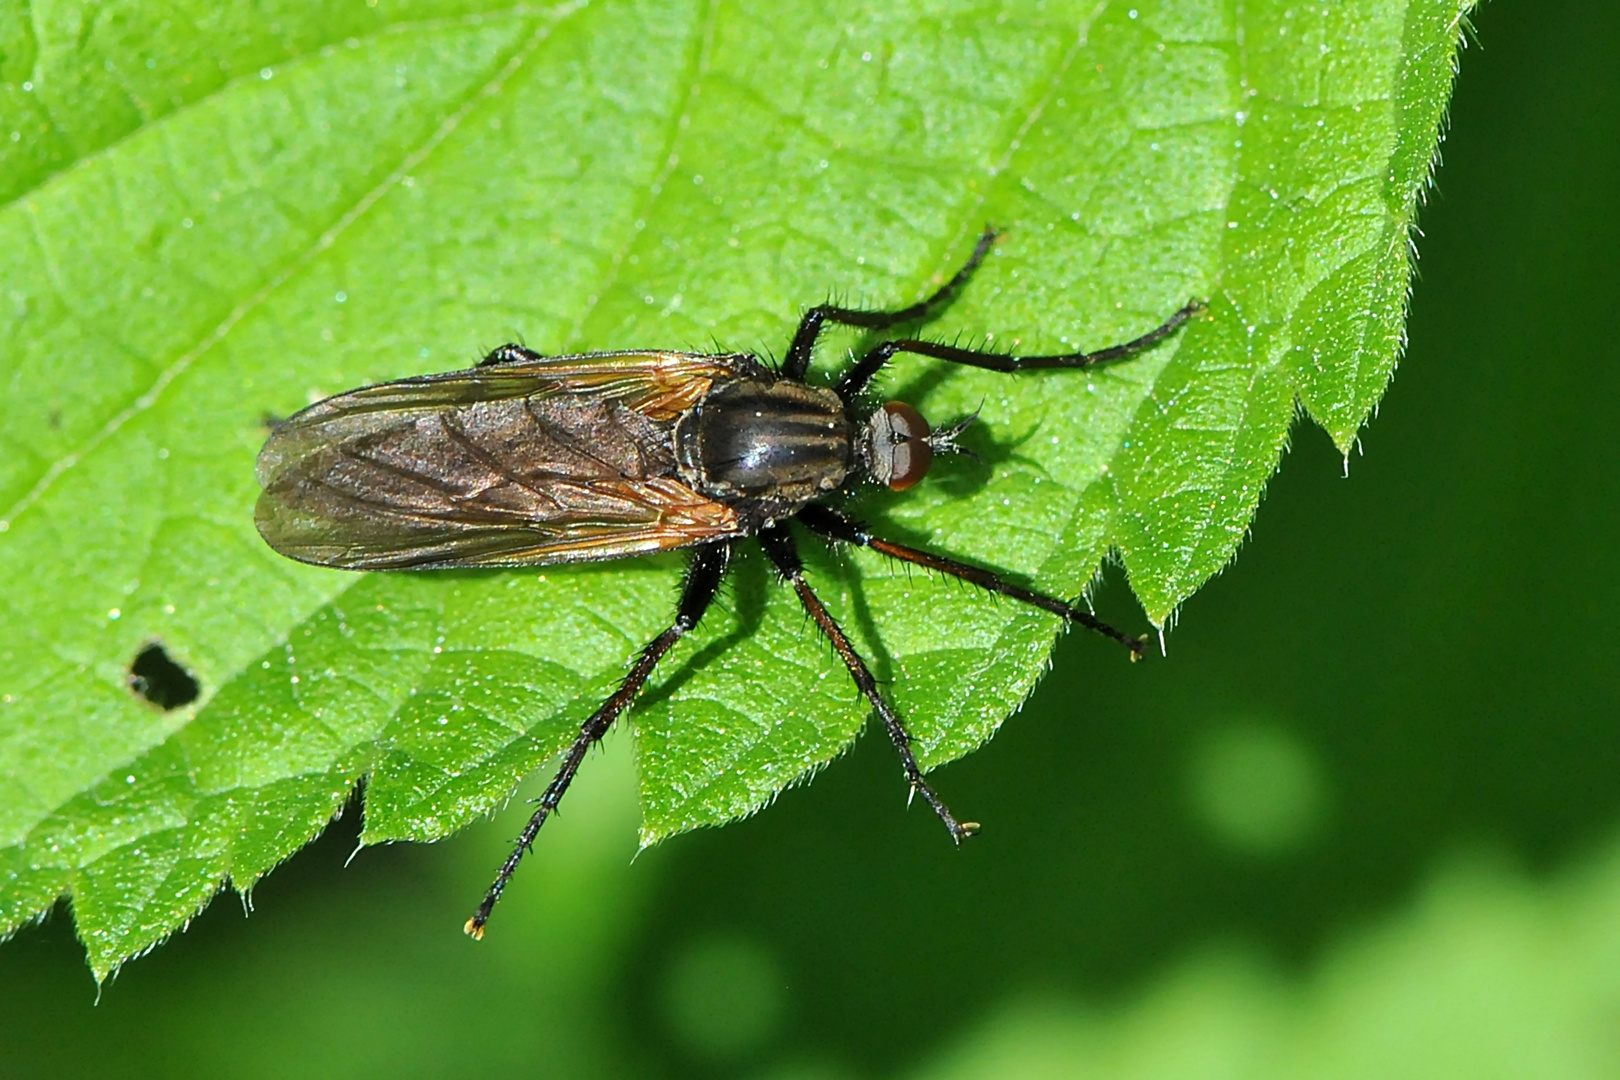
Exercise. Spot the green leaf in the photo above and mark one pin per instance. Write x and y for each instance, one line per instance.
(213, 216)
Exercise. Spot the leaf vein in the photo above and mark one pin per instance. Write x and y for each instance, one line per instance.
(517, 11)
(488, 91)
(695, 71)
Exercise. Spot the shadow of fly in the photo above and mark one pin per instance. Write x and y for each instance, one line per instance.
(528, 460)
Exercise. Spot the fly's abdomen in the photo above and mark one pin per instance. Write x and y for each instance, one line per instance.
(773, 440)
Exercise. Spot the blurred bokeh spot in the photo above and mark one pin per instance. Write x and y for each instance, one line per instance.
(723, 996)
(1258, 788)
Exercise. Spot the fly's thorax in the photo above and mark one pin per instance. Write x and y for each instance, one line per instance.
(774, 440)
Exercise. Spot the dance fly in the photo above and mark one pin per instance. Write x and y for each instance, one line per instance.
(530, 460)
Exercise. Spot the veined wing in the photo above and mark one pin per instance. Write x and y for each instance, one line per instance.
(561, 459)
(659, 385)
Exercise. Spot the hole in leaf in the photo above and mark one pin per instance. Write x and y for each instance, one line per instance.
(156, 677)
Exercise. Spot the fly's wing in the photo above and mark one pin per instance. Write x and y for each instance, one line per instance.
(558, 459)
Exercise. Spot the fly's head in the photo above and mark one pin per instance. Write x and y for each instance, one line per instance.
(896, 446)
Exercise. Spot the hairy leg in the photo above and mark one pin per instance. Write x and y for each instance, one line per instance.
(797, 361)
(835, 526)
(778, 543)
(857, 378)
(702, 582)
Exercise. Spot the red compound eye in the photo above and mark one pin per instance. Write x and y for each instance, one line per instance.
(911, 454)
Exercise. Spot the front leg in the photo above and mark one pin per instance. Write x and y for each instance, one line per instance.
(797, 361)
(856, 379)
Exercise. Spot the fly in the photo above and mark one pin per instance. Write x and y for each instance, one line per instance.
(528, 460)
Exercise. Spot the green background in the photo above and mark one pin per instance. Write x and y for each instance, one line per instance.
(1361, 822)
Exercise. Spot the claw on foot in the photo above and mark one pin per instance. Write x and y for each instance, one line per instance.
(1139, 648)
